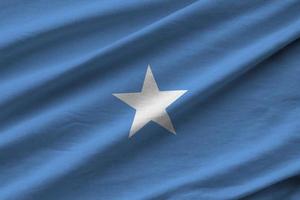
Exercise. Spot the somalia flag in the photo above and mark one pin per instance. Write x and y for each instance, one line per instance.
(149, 100)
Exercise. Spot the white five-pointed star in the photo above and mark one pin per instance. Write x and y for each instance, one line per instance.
(150, 104)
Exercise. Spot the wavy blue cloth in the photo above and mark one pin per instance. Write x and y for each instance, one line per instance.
(64, 136)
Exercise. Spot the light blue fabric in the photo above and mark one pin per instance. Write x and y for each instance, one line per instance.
(64, 136)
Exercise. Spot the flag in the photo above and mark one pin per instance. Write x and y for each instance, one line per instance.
(149, 100)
